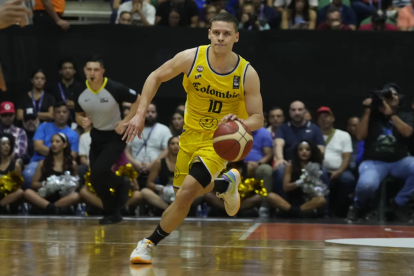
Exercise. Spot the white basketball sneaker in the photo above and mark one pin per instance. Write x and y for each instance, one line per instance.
(143, 253)
(231, 197)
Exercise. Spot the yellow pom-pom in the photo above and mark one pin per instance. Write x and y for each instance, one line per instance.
(9, 183)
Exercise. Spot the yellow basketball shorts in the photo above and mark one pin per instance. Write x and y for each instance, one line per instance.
(196, 146)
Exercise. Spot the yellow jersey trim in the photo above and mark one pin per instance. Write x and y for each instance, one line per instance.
(99, 90)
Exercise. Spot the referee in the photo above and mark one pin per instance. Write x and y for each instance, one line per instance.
(99, 103)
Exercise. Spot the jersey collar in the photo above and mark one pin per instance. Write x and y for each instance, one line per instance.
(99, 90)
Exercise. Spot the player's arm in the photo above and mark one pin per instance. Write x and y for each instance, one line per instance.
(181, 63)
(253, 100)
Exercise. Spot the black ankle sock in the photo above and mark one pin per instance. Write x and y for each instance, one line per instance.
(158, 235)
(221, 185)
(295, 211)
(51, 208)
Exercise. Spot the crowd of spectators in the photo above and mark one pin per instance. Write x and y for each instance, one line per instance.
(252, 14)
(40, 138)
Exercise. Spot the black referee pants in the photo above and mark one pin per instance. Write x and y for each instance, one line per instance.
(106, 148)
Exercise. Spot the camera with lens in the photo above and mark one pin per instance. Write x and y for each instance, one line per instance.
(379, 95)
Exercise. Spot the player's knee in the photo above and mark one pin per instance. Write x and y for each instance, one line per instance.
(200, 173)
(185, 197)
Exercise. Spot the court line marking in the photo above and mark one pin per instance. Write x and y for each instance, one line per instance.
(126, 218)
(249, 231)
(217, 246)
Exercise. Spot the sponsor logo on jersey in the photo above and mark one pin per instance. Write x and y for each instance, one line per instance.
(214, 92)
(104, 100)
(198, 76)
(208, 122)
(236, 82)
(200, 68)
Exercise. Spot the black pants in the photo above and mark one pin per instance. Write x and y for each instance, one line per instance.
(106, 148)
(42, 18)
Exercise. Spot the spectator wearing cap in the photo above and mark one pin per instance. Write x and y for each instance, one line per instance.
(333, 21)
(338, 150)
(287, 136)
(405, 20)
(7, 115)
(347, 14)
(43, 137)
(30, 124)
(378, 23)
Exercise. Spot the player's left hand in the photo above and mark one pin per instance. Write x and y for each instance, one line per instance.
(134, 127)
(231, 117)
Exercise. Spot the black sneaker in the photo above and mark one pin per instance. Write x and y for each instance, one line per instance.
(111, 219)
(354, 213)
(401, 212)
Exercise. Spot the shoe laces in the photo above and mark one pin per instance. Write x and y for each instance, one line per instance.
(148, 245)
(221, 196)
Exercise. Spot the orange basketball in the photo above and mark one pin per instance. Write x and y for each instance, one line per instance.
(232, 141)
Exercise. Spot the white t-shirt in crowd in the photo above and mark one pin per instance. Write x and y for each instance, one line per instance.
(285, 3)
(85, 144)
(156, 143)
(340, 143)
(147, 9)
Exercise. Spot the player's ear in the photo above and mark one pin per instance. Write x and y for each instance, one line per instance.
(209, 34)
(237, 37)
(103, 71)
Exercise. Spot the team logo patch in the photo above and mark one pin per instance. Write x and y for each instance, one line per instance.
(198, 76)
(176, 172)
(200, 68)
(7, 107)
(208, 122)
(104, 100)
(236, 82)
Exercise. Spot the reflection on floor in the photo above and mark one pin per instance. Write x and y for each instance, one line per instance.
(75, 246)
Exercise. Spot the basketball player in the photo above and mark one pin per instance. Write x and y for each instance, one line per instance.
(217, 82)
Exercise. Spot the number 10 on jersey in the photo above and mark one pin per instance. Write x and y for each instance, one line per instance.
(215, 106)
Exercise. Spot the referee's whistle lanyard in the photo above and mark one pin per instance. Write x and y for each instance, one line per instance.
(37, 108)
(145, 140)
(61, 92)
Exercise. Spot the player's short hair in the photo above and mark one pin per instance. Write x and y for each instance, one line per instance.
(65, 60)
(95, 58)
(226, 17)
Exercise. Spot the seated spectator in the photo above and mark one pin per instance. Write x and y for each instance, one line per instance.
(266, 14)
(30, 125)
(187, 10)
(384, 130)
(282, 5)
(276, 118)
(43, 139)
(174, 19)
(221, 6)
(142, 153)
(64, 89)
(177, 123)
(248, 206)
(6, 125)
(7, 165)
(338, 150)
(288, 135)
(133, 201)
(378, 23)
(250, 20)
(406, 18)
(125, 18)
(347, 14)
(333, 21)
(209, 12)
(37, 101)
(58, 160)
(143, 14)
(299, 16)
(297, 203)
(163, 171)
(258, 161)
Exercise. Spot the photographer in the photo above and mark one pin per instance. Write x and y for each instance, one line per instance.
(249, 20)
(384, 129)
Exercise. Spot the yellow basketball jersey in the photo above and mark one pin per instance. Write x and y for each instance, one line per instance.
(210, 95)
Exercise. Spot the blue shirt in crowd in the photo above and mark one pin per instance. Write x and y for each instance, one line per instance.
(347, 14)
(261, 139)
(45, 133)
(293, 135)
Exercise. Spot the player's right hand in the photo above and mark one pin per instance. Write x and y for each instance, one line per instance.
(134, 127)
(13, 12)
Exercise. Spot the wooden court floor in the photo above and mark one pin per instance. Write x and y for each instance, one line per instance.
(76, 246)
